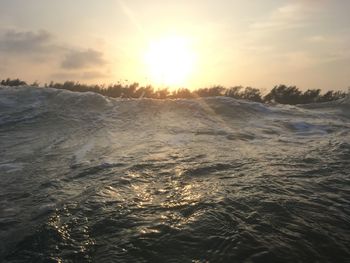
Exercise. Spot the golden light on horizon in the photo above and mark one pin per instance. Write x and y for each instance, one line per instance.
(170, 61)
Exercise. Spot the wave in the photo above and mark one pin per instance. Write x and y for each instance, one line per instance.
(90, 178)
(23, 99)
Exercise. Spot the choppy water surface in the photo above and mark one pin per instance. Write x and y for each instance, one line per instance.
(84, 178)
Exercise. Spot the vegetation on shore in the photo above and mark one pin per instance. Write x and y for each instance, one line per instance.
(282, 94)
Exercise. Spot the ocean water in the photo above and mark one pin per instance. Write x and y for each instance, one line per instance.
(84, 178)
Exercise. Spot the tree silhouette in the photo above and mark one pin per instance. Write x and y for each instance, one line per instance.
(279, 94)
(182, 94)
(251, 94)
(210, 92)
(234, 92)
(284, 95)
(310, 96)
(12, 82)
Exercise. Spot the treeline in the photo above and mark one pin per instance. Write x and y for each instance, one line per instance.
(279, 94)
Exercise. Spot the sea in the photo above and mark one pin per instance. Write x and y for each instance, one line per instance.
(87, 178)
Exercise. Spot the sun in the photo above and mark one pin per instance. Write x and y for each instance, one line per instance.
(170, 61)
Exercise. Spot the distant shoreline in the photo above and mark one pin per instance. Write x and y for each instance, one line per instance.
(281, 94)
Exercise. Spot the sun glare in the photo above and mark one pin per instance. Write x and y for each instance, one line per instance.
(170, 61)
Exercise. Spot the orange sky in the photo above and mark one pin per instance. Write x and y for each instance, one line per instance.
(251, 43)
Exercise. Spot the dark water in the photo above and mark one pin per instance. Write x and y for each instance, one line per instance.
(90, 179)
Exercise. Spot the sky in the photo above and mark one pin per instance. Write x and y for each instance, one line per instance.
(230, 42)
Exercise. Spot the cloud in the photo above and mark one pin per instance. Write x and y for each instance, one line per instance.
(94, 75)
(83, 59)
(40, 46)
(296, 14)
(331, 47)
(38, 55)
(26, 42)
(336, 39)
(284, 33)
(319, 39)
(86, 75)
(283, 18)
